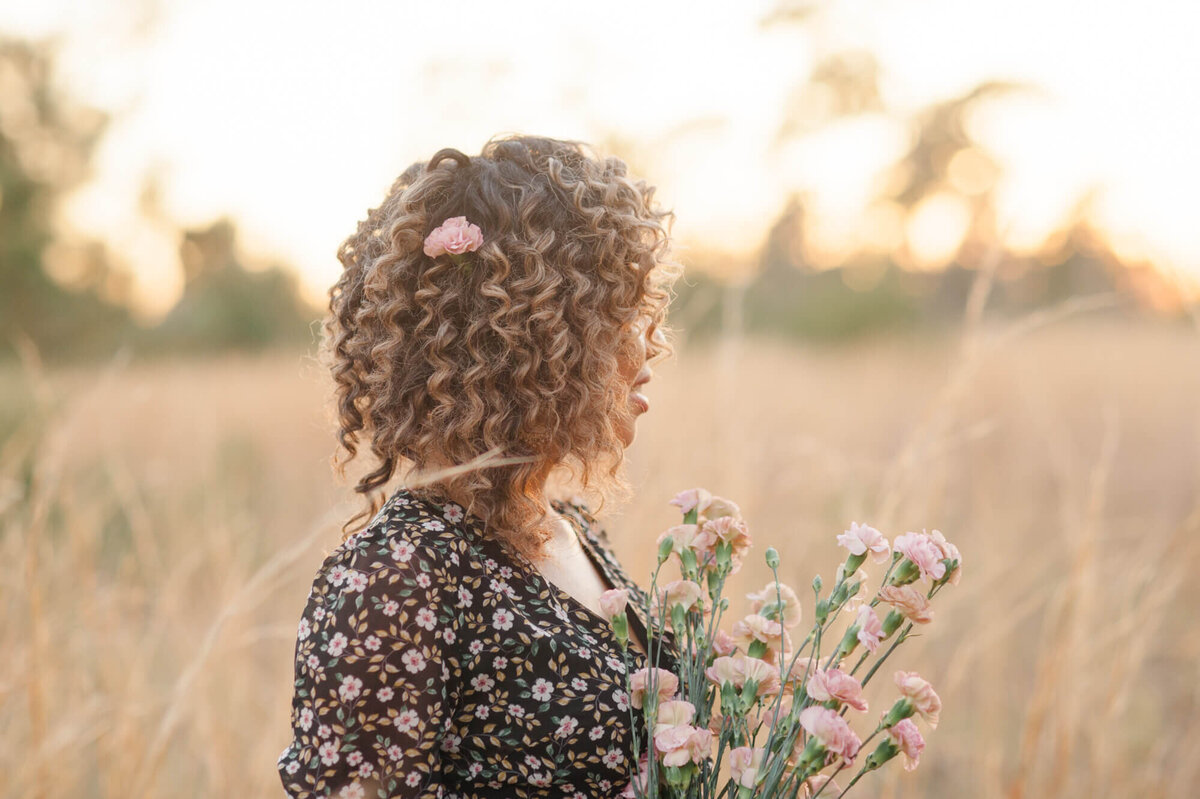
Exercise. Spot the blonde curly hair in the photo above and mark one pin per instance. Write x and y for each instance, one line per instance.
(438, 365)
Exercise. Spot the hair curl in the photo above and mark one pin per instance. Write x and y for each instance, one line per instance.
(437, 364)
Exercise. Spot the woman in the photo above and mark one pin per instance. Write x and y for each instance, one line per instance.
(501, 306)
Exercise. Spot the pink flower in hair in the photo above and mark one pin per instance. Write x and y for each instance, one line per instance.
(455, 236)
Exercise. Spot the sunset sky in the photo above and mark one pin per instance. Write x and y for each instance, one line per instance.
(294, 118)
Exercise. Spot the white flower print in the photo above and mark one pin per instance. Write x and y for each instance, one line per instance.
(584, 653)
(407, 720)
(337, 574)
(482, 683)
(434, 525)
(385, 694)
(324, 731)
(605, 784)
(596, 733)
(352, 791)
(474, 769)
(533, 761)
(394, 752)
(476, 647)
(622, 699)
(615, 663)
(306, 718)
(293, 767)
(336, 645)
(500, 663)
(313, 661)
(318, 614)
(366, 769)
(613, 758)
(328, 752)
(426, 618)
(423, 580)
(516, 711)
(453, 513)
(481, 711)
(490, 565)
(542, 689)
(372, 643)
(413, 660)
(413, 779)
(355, 581)
(567, 726)
(350, 689)
(451, 743)
(578, 684)
(506, 572)
(448, 636)
(354, 758)
(305, 629)
(391, 607)
(502, 619)
(464, 598)
(539, 779)
(561, 614)
(402, 551)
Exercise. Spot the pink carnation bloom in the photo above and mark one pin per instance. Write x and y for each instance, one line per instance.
(720, 508)
(667, 684)
(910, 602)
(924, 552)
(727, 669)
(685, 593)
(870, 629)
(692, 498)
(681, 745)
(860, 539)
(744, 765)
(905, 735)
(814, 783)
(723, 643)
(949, 552)
(792, 612)
(763, 673)
(831, 730)
(454, 236)
(613, 602)
(921, 694)
(837, 685)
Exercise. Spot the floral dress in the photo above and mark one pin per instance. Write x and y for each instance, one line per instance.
(435, 661)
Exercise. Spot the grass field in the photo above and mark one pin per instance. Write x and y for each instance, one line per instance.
(161, 525)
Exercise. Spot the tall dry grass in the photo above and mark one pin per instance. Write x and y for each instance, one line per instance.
(161, 525)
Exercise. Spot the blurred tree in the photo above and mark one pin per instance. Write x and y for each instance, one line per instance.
(226, 306)
(66, 297)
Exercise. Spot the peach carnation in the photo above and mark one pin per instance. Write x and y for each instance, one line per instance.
(918, 691)
(831, 731)
(910, 602)
(861, 539)
(614, 602)
(455, 236)
(744, 765)
(769, 597)
(907, 738)
(681, 745)
(835, 684)
(667, 685)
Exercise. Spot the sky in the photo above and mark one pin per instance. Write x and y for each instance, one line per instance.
(294, 118)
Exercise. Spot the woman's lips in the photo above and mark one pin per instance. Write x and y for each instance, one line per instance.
(640, 399)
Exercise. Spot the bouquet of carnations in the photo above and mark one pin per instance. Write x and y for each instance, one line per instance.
(752, 712)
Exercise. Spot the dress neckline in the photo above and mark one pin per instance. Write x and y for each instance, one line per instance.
(597, 624)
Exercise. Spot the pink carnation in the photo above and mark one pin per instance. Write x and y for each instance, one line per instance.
(667, 684)
(683, 744)
(693, 498)
(870, 629)
(831, 730)
(837, 685)
(924, 552)
(723, 643)
(910, 602)
(860, 539)
(744, 765)
(921, 694)
(455, 236)
(907, 738)
(614, 601)
(949, 552)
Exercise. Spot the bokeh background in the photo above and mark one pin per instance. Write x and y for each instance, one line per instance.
(941, 272)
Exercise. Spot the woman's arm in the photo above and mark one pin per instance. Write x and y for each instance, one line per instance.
(375, 659)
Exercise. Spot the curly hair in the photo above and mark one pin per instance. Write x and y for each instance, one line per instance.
(439, 365)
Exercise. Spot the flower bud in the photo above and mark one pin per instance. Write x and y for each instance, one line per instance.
(772, 557)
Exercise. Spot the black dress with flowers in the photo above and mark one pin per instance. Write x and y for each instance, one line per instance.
(434, 661)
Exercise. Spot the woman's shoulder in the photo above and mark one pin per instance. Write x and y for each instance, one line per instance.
(406, 534)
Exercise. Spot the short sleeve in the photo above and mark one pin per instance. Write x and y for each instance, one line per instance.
(375, 655)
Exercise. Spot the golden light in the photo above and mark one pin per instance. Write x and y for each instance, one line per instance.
(935, 230)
